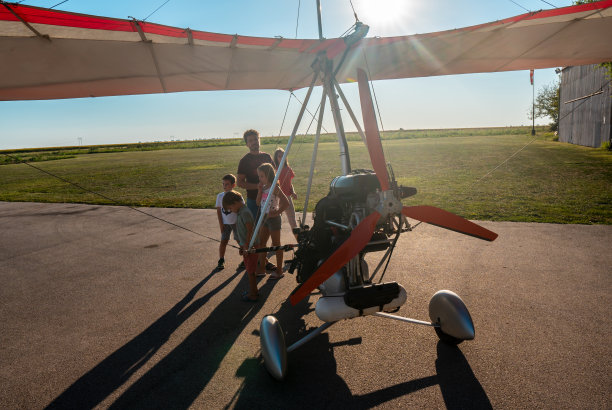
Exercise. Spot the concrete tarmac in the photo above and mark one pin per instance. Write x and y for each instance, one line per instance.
(106, 307)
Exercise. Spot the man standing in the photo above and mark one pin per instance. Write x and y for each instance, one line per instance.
(247, 169)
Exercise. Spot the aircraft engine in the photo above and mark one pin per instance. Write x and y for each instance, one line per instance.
(351, 198)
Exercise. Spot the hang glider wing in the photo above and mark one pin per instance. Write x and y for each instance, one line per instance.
(52, 54)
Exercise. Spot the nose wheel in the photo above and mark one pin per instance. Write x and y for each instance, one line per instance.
(273, 348)
(448, 339)
(453, 323)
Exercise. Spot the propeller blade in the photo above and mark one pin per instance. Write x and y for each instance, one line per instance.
(445, 219)
(371, 131)
(359, 238)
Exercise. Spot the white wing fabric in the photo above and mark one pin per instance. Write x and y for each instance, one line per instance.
(52, 54)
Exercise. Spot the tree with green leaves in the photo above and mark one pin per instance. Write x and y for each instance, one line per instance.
(547, 104)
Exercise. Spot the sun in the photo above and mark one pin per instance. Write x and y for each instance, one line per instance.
(380, 13)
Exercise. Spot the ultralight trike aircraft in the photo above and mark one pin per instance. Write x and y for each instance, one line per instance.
(52, 54)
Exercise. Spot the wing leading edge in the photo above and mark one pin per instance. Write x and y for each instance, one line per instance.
(51, 54)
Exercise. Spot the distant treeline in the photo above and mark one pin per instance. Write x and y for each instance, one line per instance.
(48, 154)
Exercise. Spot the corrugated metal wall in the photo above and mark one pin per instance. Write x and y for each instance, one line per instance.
(585, 121)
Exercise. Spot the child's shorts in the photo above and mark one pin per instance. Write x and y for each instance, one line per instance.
(273, 224)
(227, 230)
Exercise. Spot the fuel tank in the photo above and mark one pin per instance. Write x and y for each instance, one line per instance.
(355, 187)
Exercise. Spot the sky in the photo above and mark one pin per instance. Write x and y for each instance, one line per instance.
(458, 101)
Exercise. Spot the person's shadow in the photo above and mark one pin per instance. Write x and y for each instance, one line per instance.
(181, 376)
(98, 383)
(312, 380)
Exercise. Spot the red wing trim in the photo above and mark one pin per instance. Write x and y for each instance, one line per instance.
(38, 15)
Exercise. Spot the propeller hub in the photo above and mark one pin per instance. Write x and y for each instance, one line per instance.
(389, 204)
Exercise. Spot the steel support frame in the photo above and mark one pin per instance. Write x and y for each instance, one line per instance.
(282, 165)
(405, 319)
(309, 336)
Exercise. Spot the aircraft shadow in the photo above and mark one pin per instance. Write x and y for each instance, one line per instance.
(312, 380)
(458, 383)
(98, 383)
(459, 386)
(181, 376)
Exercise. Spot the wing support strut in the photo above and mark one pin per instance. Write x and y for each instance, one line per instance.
(350, 111)
(282, 165)
(328, 84)
(32, 29)
(149, 43)
(314, 157)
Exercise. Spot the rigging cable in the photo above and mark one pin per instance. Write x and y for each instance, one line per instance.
(502, 163)
(301, 142)
(61, 2)
(490, 172)
(354, 12)
(297, 20)
(113, 200)
(154, 11)
(313, 118)
(550, 4)
(284, 116)
(524, 8)
(311, 114)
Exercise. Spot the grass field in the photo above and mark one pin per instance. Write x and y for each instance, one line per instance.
(545, 181)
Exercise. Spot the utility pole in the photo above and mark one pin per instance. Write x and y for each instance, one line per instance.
(558, 132)
(532, 102)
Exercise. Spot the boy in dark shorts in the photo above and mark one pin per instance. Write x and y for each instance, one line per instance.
(227, 219)
(245, 224)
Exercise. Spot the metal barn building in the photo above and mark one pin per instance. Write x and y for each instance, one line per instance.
(585, 106)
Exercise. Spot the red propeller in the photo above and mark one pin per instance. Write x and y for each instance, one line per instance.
(445, 219)
(371, 131)
(361, 235)
(352, 246)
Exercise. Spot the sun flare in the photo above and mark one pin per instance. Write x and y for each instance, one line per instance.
(382, 12)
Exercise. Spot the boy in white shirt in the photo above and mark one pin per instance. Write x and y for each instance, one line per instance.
(227, 219)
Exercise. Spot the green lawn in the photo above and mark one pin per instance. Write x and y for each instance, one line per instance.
(545, 182)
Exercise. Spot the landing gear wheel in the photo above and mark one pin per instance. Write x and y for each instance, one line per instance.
(448, 339)
(448, 311)
(273, 348)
